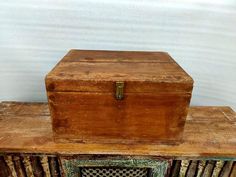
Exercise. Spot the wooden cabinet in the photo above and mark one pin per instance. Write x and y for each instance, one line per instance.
(27, 147)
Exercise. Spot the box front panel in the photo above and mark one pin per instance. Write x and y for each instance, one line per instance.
(99, 117)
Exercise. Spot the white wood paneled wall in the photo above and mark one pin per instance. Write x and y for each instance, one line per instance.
(200, 35)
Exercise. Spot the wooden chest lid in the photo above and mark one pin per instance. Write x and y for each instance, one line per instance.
(97, 71)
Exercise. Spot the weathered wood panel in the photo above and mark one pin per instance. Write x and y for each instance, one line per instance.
(78, 118)
(4, 169)
(54, 166)
(26, 128)
(81, 95)
(36, 166)
(72, 165)
(96, 70)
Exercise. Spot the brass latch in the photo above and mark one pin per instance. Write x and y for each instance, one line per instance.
(120, 90)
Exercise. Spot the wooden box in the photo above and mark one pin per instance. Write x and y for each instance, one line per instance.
(118, 97)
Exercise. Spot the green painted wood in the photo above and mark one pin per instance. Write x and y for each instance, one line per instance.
(71, 167)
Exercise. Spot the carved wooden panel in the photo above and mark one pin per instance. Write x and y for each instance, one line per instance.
(33, 165)
(73, 167)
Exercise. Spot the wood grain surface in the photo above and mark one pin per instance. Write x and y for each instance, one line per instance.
(97, 117)
(209, 132)
(81, 95)
(97, 70)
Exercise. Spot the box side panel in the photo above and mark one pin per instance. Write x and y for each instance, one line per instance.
(99, 117)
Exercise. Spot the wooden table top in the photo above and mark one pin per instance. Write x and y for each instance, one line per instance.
(210, 132)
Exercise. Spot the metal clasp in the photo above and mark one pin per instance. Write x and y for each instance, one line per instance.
(120, 90)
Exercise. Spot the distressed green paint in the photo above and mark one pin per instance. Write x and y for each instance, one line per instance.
(69, 170)
(72, 166)
(160, 171)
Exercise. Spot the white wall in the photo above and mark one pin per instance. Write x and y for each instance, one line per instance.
(200, 35)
